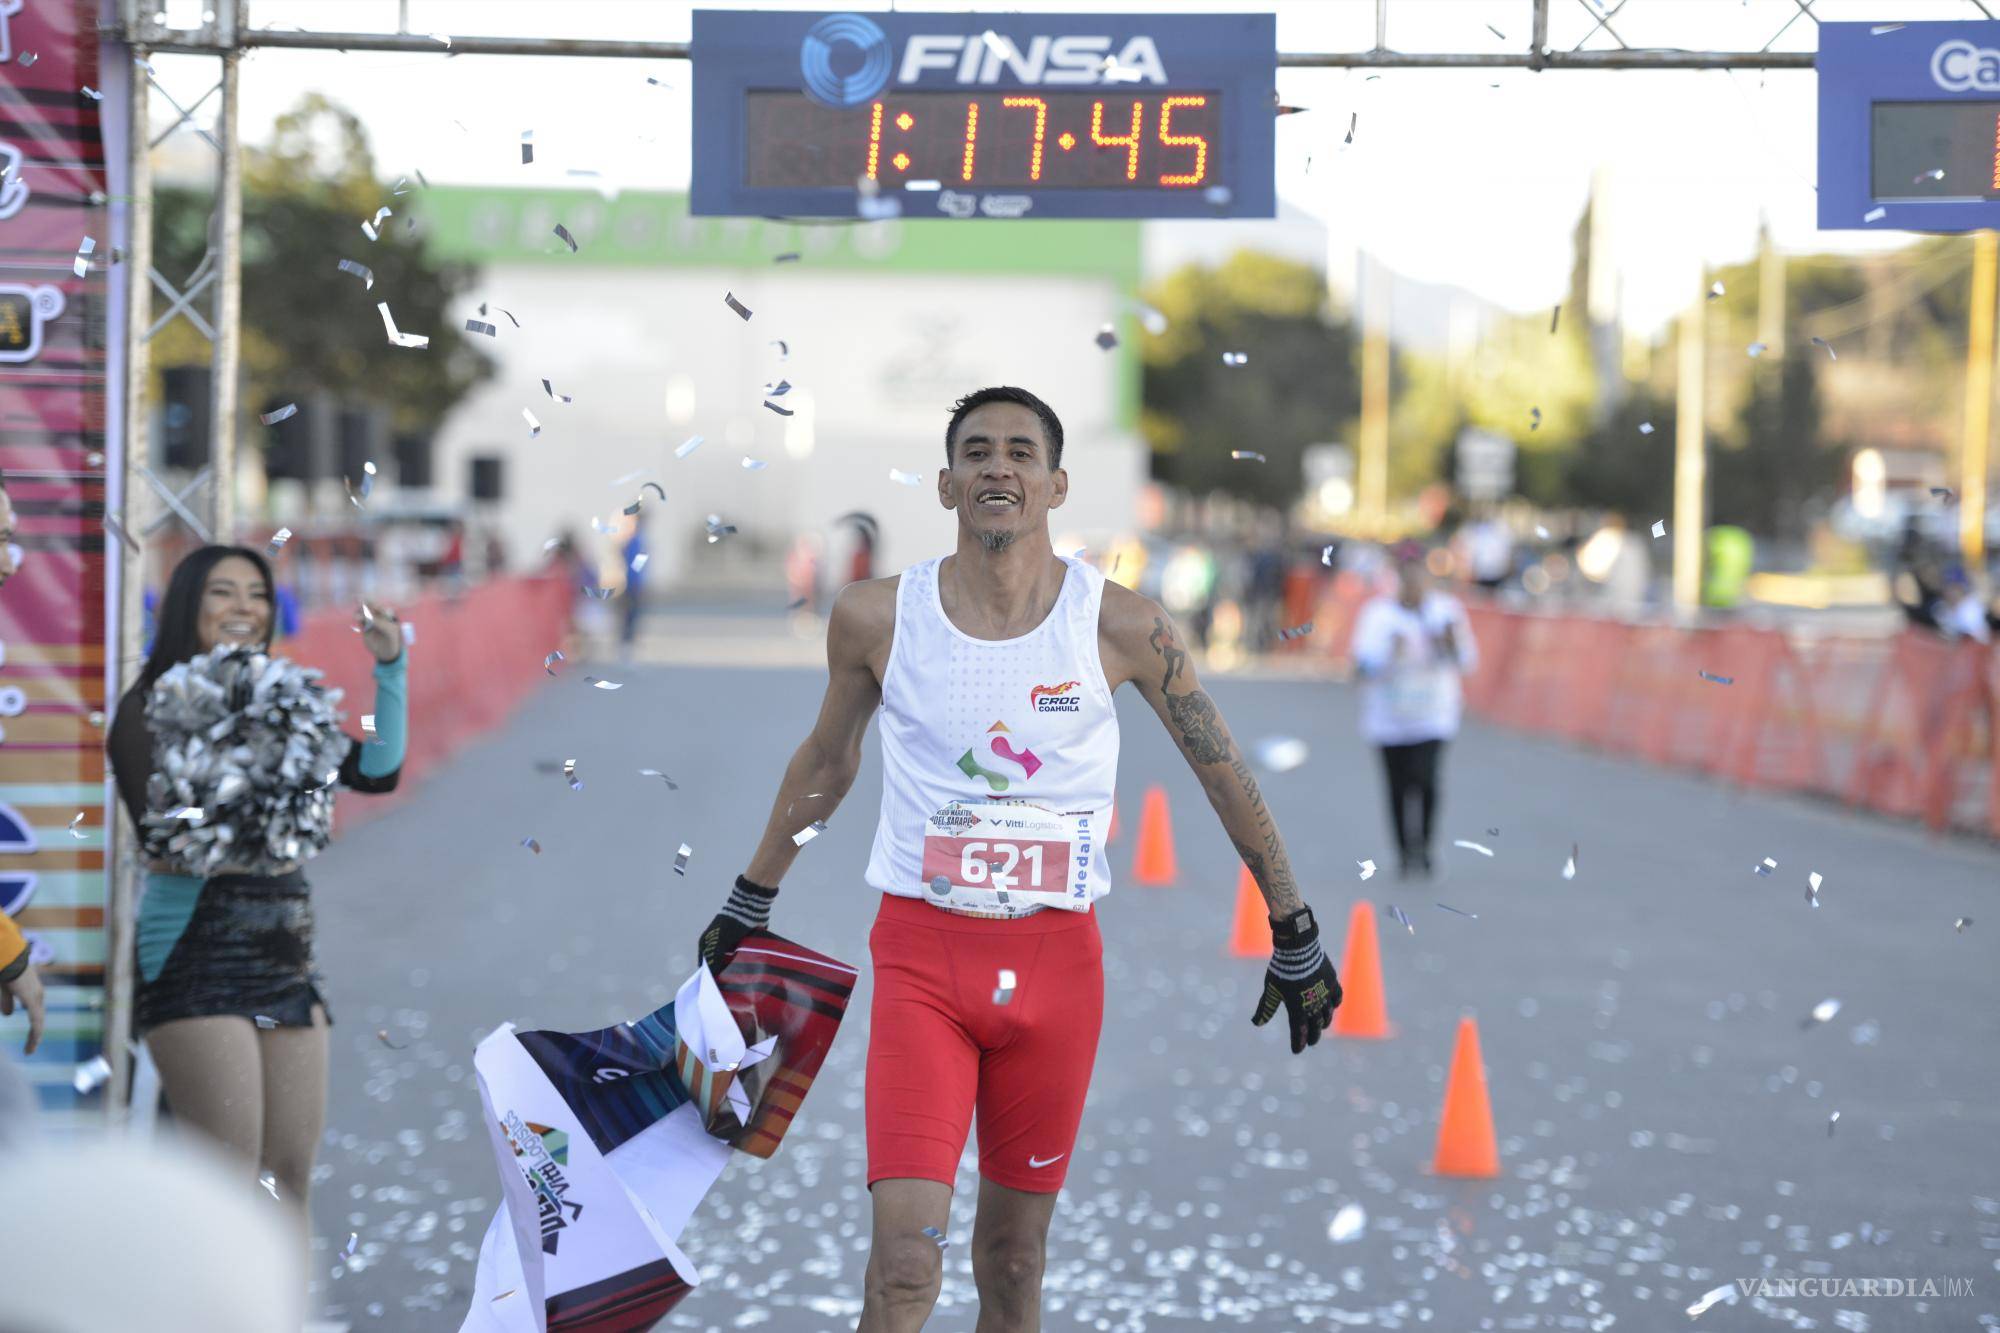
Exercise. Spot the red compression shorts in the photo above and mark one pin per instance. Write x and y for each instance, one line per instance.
(939, 1046)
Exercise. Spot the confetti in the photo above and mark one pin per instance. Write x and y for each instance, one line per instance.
(1106, 338)
(353, 1239)
(1822, 1012)
(717, 529)
(1235, 358)
(396, 338)
(1719, 680)
(81, 264)
(270, 1184)
(1756, 350)
(1960, 924)
(1813, 882)
(1875, 215)
(789, 257)
(781, 411)
(902, 478)
(549, 662)
(1715, 289)
(1541, 532)
(688, 446)
(361, 271)
(481, 326)
(681, 859)
(754, 464)
(562, 234)
(1496, 32)
(91, 1075)
(1280, 754)
(778, 390)
(266, 1022)
(1766, 867)
(91, 93)
(1535, 418)
(1296, 632)
(597, 684)
(1003, 990)
(550, 390)
(368, 229)
(1402, 917)
(808, 833)
(1474, 916)
(1831, 354)
(1944, 493)
(357, 498)
(1472, 846)
(1569, 866)
(1353, 123)
(937, 1236)
(1660, 528)
(27, 59)
(569, 773)
(1326, 556)
(1725, 1294)
(656, 773)
(784, 351)
(1831, 1121)
(527, 147)
(1246, 456)
(1555, 317)
(1367, 869)
(1645, 428)
(368, 733)
(1347, 1224)
(73, 825)
(532, 845)
(1934, 174)
(534, 426)
(285, 413)
(729, 299)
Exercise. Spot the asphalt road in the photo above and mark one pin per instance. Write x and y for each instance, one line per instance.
(1663, 1104)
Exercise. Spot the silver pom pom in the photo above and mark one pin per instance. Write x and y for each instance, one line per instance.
(243, 746)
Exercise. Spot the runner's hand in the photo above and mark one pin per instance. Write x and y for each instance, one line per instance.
(1301, 978)
(748, 909)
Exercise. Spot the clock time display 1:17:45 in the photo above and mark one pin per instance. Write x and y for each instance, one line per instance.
(1098, 140)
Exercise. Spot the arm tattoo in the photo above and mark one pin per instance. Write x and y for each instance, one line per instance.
(1201, 729)
(1162, 640)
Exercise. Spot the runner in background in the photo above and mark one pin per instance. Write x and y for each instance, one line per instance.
(1411, 647)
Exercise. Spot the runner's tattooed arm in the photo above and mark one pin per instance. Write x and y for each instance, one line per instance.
(823, 768)
(1139, 642)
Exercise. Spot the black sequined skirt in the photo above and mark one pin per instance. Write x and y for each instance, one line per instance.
(248, 950)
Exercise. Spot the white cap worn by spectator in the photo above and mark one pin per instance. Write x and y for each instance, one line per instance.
(108, 1235)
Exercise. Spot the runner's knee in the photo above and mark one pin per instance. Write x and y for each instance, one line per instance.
(1007, 1267)
(905, 1272)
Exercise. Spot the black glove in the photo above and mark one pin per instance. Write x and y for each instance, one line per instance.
(1301, 978)
(748, 909)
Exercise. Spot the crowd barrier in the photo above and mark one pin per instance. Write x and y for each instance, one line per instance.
(1903, 725)
(476, 656)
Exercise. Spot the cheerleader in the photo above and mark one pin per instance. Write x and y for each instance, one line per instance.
(228, 997)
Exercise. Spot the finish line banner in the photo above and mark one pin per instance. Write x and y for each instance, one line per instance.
(54, 252)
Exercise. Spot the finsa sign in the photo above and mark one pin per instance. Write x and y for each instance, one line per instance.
(1960, 66)
(1074, 58)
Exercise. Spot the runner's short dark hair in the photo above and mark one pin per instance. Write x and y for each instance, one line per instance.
(1007, 393)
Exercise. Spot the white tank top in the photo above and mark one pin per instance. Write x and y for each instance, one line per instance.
(998, 757)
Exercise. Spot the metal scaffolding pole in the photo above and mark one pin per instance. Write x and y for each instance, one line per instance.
(1973, 447)
(227, 344)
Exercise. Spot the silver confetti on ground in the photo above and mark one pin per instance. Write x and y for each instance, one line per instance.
(1455, 912)
(1367, 869)
(1403, 918)
(1472, 846)
(681, 859)
(1347, 1224)
(656, 773)
(1813, 882)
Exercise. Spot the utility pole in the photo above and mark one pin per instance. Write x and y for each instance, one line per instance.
(1972, 452)
(1770, 295)
(1690, 452)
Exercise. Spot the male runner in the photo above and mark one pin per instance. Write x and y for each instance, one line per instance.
(994, 669)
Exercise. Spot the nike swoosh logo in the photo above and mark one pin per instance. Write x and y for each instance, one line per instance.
(1037, 1163)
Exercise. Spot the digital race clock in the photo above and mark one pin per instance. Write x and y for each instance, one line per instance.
(1909, 125)
(968, 115)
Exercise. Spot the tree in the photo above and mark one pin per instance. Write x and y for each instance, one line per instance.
(1779, 465)
(1295, 387)
(1620, 466)
(306, 325)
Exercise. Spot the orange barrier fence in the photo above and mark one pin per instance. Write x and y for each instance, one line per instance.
(1902, 725)
(475, 658)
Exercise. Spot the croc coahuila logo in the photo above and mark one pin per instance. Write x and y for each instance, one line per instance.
(1960, 66)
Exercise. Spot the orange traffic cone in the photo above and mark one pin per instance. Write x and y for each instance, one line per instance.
(1363, 1011)
(1154, 865)
(1251, 937)
(1465, 1136)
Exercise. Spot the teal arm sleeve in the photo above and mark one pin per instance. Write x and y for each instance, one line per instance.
(392, 718)
(163, 916)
